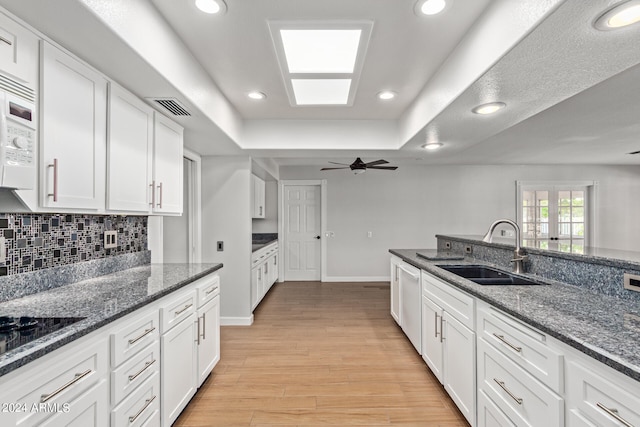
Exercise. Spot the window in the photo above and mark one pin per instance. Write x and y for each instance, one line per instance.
(556, 216)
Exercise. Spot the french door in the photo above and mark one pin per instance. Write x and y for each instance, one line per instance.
(554, 217)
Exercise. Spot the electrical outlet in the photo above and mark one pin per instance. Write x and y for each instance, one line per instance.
(110, 239)
(369, 233)
(468, 249)
(3, 250)
(447, 245)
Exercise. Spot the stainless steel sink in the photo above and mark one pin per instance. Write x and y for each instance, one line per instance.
(483, 275)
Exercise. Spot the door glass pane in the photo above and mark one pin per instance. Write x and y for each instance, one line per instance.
(564, 198)
(528, 214)
(564, 214)
(577, 198)
(564, 229)
(528, 198)
(577, 214)
(577, 230)
(542, 198)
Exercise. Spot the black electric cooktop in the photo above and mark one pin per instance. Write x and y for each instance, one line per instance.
(17, 331)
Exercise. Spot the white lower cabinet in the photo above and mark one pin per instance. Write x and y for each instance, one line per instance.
(208, 335)
(489, 415)
(432, 342)
(141, 407)
(395, 288)
(87, 410)
(264, 272)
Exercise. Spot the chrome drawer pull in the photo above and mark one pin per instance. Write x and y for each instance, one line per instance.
(435, 323)
(137, 374)
(501, 338)
(501, 384)
(185, 308)
(54, 165)
(441, 328)
(46, 397)
(614, 413)
(203, 324)
(146, 405)
(144, 334)
(198, 333)
(211, 290)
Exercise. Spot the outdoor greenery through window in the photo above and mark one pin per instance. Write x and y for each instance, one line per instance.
(554, 218)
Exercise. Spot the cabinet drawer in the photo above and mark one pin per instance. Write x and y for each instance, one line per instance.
(207, 288)
(176, 310)
(134, 372)
(605, 401)
(520, 396)
(141, 407)
(489, 415)
(90, 409)
(523, 345)
(455, 302)
(136, 335)
(60, 380)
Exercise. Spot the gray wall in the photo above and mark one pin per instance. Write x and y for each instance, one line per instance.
(406, 208)
(226, 217)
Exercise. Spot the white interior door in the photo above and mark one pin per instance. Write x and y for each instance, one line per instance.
(302, 232)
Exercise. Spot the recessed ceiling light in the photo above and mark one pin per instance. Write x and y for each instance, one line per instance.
(256, 95)
(386, 95)
(432, 145)
(621, 15)
(430, 7)
(321, 91)
(489, 108)
(321, 51)
(211, 6)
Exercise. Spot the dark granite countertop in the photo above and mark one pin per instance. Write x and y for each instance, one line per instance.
(603, 327)
(256, 246)
(101, 300)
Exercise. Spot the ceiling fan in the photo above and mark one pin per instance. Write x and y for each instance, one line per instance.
(360, 167)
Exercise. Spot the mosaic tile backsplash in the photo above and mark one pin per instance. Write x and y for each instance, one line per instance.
(37, 241)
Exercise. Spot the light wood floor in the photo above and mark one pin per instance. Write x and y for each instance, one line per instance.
(321, 355)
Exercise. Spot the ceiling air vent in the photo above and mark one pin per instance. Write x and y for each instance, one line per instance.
(172, 105)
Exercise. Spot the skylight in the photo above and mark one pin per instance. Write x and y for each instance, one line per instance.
(321, 91)
(321, 51)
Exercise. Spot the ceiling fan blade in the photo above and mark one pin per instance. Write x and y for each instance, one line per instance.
(330, 169)
(343, 164)
(389, 168)
(377, 162)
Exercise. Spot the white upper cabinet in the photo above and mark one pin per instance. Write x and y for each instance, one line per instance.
(257, 197)
(18, 56)
(167, 166)
(73, 133)
(129, 148)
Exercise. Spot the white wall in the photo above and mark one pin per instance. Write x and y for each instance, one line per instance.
(226, 217)
(406, 208)
(176, 228)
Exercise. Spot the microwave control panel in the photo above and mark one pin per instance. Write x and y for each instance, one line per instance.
(20, 144)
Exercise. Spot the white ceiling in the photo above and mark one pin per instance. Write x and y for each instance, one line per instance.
(572, 92)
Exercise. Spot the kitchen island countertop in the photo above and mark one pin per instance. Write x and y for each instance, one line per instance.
(100, 301)
(603, 327)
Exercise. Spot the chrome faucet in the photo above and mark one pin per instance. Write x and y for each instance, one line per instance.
(519, 256)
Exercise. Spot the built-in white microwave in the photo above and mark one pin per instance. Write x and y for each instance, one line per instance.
(18, 139)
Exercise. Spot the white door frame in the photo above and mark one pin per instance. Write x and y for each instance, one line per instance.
(323, 223)
(195, 207)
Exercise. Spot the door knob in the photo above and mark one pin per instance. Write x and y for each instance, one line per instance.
(318, 237)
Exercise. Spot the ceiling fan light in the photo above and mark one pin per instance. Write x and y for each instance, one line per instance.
(489, 108)
(621, 15)
(359, 171)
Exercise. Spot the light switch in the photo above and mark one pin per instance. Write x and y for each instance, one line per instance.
(369, 233)
(220, 246)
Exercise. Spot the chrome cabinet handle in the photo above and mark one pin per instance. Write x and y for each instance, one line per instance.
(146, 405)
(160, 197)
(185, 308)
(144, 334)
(441, 328)
(501, 338)
(435, 323)
(518, 400)
(46, 397)
(153, 193)
(204, 325)
(137, 374)
(198, 333)
(55, 180)
(211, 290)
(614, 413)
(7, 41)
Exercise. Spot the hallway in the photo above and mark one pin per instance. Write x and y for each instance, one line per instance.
(321, 355)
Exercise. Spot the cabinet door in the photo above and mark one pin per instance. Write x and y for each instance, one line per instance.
(395, 290)
(73, 133)
(432, 347)
(178, 379)
(167, 166)
(18, 53)
(258, 196)
(129, 149)
(460, 365)
(208, 338)
(256, 274)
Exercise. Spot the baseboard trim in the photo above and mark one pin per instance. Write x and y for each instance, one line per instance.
(236, 321)
(356, 279)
